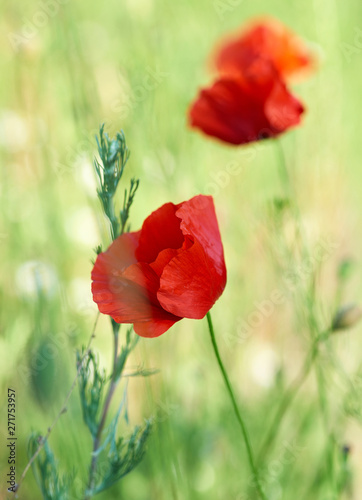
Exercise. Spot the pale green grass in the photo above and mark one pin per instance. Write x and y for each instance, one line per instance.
(75, 73)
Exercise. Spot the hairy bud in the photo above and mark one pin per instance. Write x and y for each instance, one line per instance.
(346, 317)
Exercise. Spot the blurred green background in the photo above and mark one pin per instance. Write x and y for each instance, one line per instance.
(136, 65)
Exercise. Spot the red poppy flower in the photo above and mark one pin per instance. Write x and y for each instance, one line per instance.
(269, 40)
(172, 268)
(245, 108)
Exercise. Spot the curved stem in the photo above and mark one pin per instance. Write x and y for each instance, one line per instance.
(288, 399)
(236, 409)
(283, 169)
(288, 185)
(329, 433)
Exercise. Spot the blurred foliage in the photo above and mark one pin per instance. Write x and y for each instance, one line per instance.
(136, 65)
(46, 472)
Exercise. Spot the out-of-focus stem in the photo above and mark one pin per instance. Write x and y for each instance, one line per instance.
(61, 411)
(289, 396)
(329, 434)
(97, 439)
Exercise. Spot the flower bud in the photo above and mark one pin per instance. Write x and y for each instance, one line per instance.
(346, 317)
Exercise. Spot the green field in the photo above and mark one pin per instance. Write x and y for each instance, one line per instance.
(136, 65)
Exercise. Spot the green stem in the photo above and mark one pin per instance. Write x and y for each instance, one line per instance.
(288, 185)
(288, 398)
(329, 433)
(236, 410)
(283, 169)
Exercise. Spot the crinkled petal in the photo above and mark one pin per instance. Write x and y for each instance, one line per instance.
(282, 110)
(199, 222)
(155, 327)
(159, 231)
(120, 254)
(162, 260)
(267, 39)
(237, 110)
(195, 278)
(188, 274)
(128, 295)
(189, 285)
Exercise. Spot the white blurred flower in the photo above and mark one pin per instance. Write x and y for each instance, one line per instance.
(86, 176)
(206, 478)
(13, 131)
(82, 228)
(140, 8)
(95, 40)
(80, 296)
(161, 167)
(34, 277)
(263, 366)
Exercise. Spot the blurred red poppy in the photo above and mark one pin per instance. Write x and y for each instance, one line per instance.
(245, 108)
(172, 268)
(265, 39)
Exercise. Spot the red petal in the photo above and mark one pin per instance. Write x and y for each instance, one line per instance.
(154, 327)
(195, 278)
(267, 39)
(189, 285)
(159, 231)
(162, 260)
(128, 294)
(282, 109)
(241, 110)
(192, 268)
(198, 220)
(120, 254)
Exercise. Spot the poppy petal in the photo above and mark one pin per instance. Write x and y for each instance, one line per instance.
(267, 39)
(239, 110)
(128, 295)
(185, 274)
(160, 230)
(120, 254)
(163, 259)
(189, 286)
(195, 278)
(155, 327)
(282, 110)
(198, 220)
